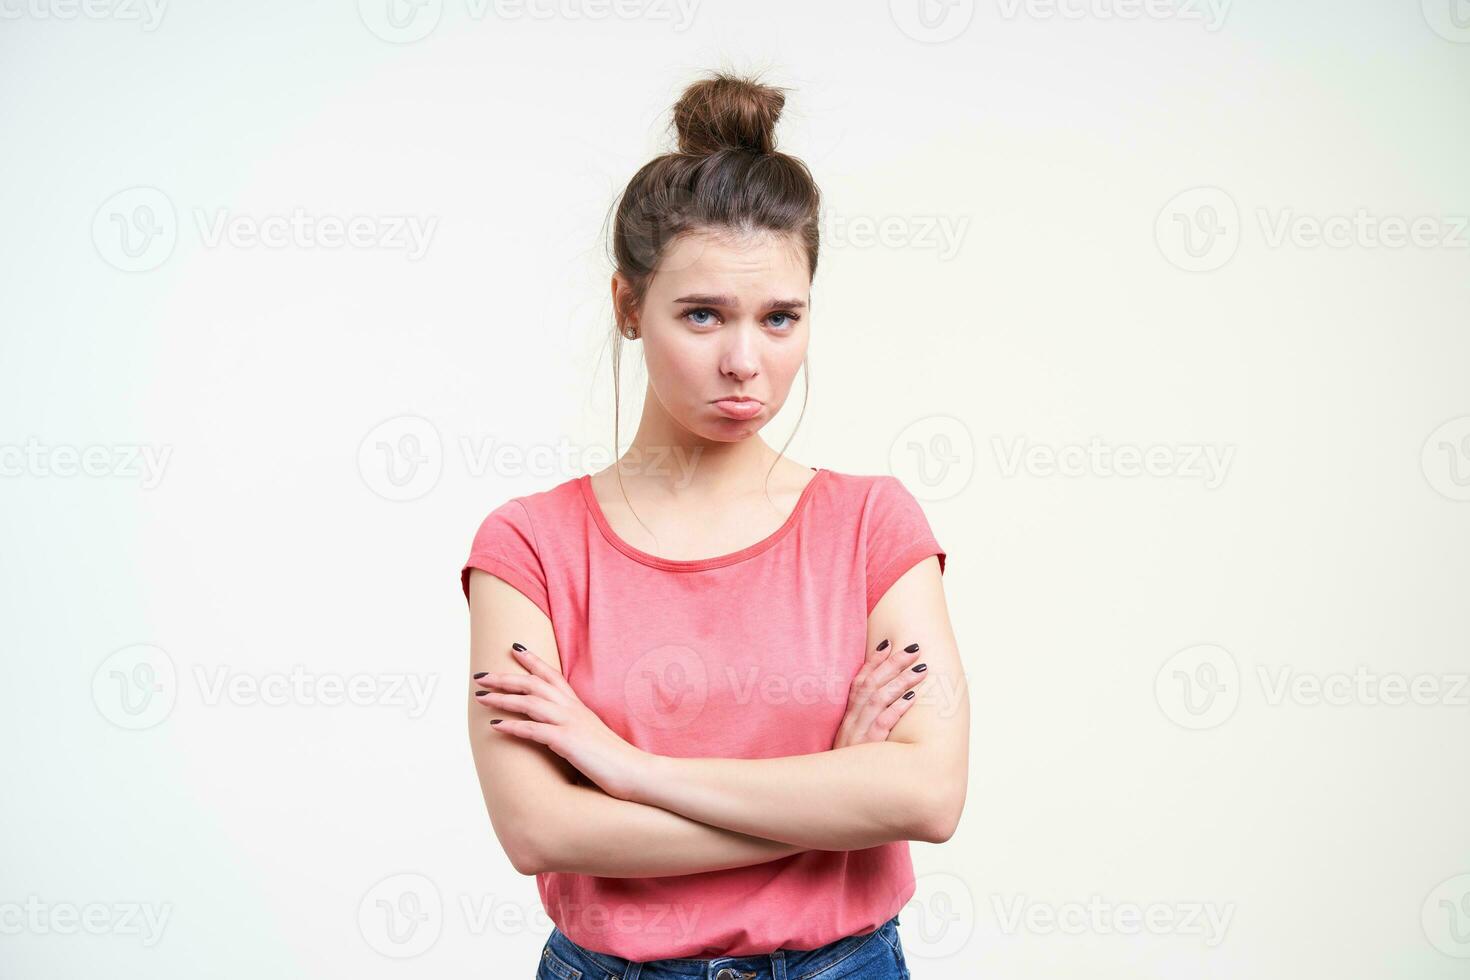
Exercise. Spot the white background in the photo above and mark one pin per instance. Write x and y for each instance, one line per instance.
(283, 837)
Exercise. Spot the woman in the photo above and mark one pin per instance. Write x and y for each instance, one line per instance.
(694, 673)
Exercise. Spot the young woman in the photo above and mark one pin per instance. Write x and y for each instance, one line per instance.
(693, 701)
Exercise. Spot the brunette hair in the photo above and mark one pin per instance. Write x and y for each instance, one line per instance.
(725, 177)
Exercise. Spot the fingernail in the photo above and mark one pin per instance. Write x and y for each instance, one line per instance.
(517, 646)
(481, 694)
(883, 645)
(908, 695)
(919, 667)
(911, 648)
(496, 721)
(481, 674)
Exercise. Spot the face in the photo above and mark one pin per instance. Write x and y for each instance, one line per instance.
(726, 317)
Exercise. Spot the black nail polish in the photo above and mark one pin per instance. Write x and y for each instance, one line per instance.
(919, 667)
(496, 721)
(481, 694)
(517, 646)
(911, 648)
(883, 646)
(481, 674)
(908, 695)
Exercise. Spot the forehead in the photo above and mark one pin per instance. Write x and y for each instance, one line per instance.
(733, 262)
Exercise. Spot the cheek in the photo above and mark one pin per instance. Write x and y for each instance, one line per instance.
(675, 368)
(786, 364)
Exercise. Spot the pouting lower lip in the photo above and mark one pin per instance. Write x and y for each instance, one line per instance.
(739, 410)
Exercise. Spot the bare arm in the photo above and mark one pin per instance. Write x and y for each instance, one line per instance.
(546, 820)
(911, 787)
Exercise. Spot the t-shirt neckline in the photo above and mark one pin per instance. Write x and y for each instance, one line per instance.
(694, 564)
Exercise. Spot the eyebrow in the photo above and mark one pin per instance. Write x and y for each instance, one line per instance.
(730, 302)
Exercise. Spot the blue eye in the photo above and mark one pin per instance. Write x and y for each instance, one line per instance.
(789, 317)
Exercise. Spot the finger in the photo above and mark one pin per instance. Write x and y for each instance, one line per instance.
(875, 656)
(880, 689)
(522, 704)
(516, 684)
(529, 730)
(860, 690)
(905, 681)
(884, 696)
(883, 725)
(895, 664)
(537, 666)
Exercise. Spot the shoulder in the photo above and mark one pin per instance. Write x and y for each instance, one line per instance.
(520, 518)
(867, 490)
(514, 541)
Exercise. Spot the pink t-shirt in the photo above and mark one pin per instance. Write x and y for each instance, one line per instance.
(747, 655)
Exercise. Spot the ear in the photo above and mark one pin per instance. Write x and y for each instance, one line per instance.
(622, 300)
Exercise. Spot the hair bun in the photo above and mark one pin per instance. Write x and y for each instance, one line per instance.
(728, 112)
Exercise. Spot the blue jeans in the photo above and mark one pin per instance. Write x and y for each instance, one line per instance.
(875, 955)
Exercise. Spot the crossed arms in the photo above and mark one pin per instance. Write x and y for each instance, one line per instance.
(706, 814)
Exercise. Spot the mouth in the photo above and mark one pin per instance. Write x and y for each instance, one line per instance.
(740, 407)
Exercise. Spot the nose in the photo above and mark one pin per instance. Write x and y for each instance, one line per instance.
(740, 359)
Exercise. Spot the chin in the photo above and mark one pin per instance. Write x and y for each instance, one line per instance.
(722, 429)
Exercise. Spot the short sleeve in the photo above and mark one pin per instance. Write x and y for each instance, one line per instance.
(505, 546)
(898, 536)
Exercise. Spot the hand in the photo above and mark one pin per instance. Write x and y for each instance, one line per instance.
(876, 699)
(557, 718)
